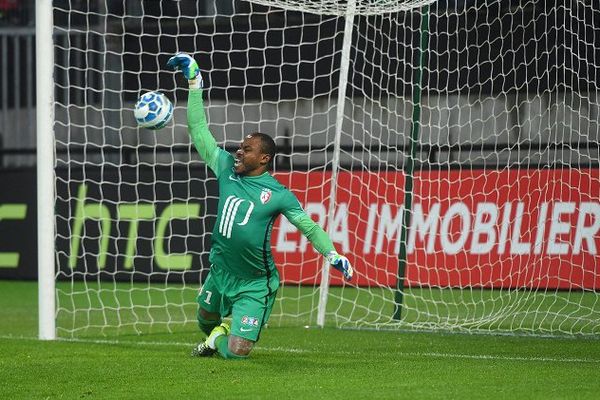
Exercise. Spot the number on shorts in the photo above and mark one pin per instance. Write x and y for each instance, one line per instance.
(208, 296)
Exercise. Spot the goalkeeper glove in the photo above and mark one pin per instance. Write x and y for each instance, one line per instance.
(188, 66)
(340, 263)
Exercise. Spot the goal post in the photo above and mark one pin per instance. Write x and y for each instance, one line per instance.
(45, 169)
(335, 162)
(450, 149)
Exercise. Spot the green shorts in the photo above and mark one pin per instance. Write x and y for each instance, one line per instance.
(248, 301)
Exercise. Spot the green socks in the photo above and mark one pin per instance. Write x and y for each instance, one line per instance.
(221, 343)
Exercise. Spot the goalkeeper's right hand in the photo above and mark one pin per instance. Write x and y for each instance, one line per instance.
(189, 67)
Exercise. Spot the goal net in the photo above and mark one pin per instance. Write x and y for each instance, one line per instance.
(450, 149)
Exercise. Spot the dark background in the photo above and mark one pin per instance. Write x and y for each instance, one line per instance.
(111, 186)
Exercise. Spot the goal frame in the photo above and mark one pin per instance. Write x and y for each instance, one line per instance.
(50, 226)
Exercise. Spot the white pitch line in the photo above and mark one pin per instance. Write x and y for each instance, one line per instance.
(293, 350)
(503, 358)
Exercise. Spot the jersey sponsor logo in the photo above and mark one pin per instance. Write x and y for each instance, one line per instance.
(228, 213)
(246, 329)
(234, 178)
(265, 195)
(251, 321)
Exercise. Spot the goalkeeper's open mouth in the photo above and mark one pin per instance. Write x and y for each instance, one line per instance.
(238, 165)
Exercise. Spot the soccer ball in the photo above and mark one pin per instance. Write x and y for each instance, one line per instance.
(153, 110)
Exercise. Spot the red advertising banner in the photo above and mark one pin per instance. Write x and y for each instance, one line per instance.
(495, 229)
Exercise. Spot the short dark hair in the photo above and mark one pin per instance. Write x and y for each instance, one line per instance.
(267, 145)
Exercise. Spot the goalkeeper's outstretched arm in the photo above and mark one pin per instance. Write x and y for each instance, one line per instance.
(320, 240)
(203, 140)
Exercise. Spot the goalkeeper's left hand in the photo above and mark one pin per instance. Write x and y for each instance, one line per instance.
(340, 263)
(189, 67)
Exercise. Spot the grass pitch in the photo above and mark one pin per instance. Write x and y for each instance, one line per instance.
(288, 363)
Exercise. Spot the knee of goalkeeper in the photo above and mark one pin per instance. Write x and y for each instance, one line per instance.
(207, 325)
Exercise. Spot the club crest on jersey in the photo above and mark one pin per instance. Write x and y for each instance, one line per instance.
(265, 195)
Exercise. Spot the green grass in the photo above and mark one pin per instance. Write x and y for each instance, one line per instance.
(288, 362)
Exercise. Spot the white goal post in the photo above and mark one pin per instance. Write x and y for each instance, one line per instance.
(450, 148)
(45, 169)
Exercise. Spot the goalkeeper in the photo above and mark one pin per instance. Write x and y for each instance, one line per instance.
(243, 280)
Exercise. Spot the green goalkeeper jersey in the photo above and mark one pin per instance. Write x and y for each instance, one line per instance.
(248, 207)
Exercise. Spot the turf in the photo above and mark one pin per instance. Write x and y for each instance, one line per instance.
(288, 363)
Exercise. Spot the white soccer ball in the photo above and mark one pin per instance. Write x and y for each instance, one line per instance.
(153, 110)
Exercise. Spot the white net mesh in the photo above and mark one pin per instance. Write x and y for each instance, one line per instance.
(350, 7)
(504, 214)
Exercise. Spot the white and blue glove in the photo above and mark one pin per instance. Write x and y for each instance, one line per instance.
(189, 67)
(340, 263)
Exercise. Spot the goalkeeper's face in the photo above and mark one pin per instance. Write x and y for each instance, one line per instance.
(250, 159)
